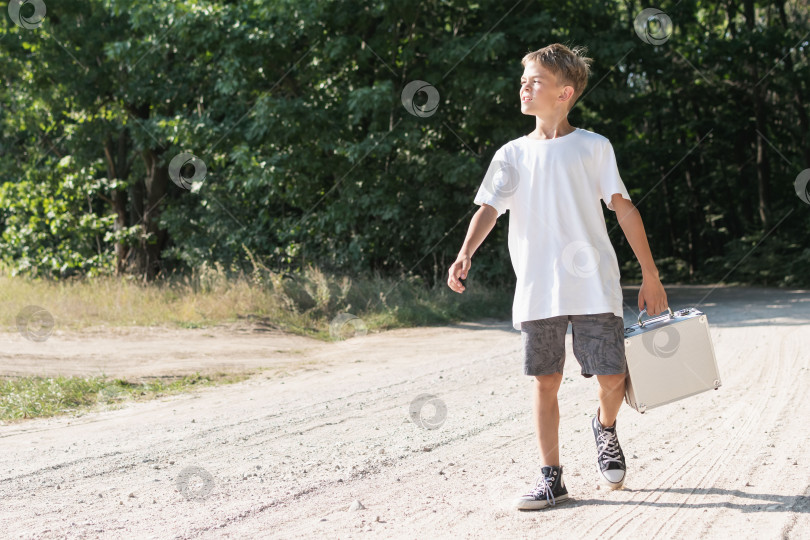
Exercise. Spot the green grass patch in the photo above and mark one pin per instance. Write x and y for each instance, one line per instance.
(34, 397)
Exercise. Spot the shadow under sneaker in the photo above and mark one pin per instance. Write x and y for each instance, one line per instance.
(549, 490)
(609, 454)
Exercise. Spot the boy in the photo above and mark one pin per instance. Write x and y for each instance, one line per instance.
(552, 181)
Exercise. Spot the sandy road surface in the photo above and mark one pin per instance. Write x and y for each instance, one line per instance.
(289, 451)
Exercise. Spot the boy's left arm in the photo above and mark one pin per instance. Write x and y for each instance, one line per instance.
(652, 292)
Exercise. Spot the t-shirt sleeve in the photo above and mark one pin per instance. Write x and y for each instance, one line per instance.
(610, 182)
(499, 183)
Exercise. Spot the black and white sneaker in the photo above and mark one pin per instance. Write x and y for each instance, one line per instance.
(610, 458)
(549, 490)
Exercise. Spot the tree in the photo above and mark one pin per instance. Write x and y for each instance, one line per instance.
(295, 111)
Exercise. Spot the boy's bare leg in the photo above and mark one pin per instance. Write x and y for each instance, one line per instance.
(547, 417)
(611, 394)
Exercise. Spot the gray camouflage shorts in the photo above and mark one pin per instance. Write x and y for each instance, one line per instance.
(598, 344)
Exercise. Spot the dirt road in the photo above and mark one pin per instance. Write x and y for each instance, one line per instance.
(285, 453)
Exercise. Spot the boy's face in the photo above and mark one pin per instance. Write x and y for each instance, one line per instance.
(540, 93)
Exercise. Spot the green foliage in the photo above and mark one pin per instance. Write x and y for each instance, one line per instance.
(50, 224)
(33, 397)
(311, 158)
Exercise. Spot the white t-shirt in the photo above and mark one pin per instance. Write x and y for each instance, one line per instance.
(558, 239)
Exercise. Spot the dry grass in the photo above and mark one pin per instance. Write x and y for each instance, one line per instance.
(304, 303)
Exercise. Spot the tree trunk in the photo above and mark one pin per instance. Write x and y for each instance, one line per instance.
(667, 209)
(757, 91)
(156, 184)
(136, 257)
(801, 112)
(118, 168)
(694, 213)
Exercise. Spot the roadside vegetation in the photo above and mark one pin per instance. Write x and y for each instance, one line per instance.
(32, 397)
(304, 303)
(309, 303)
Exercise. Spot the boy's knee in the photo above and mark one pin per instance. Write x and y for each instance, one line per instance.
(548, 384)
(612, 382)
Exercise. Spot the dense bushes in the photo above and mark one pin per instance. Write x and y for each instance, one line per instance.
(296, 110)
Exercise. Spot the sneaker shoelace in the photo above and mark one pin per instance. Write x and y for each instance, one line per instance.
(543, 488)
(608, 447)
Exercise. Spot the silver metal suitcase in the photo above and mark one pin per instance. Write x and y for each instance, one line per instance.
(669, 357)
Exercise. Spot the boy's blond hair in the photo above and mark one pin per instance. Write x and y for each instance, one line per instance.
(570, 66)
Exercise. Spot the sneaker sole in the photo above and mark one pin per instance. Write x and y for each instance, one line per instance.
(539, 505)
(608, 483)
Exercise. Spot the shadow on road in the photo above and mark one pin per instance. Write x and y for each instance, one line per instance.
(762, 501)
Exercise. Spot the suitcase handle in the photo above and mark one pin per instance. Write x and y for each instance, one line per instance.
(641, 324)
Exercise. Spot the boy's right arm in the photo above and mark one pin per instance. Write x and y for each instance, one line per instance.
(481, 224)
